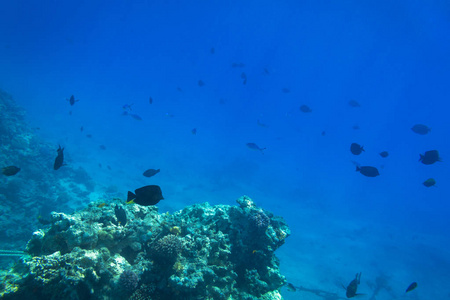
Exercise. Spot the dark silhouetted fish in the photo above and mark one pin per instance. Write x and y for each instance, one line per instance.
(10, 170)
(290, 287)
(253, 146)
(244, 77)
(127, 107)
(356, 149)
(59, 160)
(429, 182)
(194, 131)
(411, 287)
(150, 100)
(305, 108)
(150, 172)
(212, 50)
(179, 89)
(136, 117)
(147, 195)
(353, 103)
(121, 215)
(89, 136)
(72, 100)
(237, 65)
(368, 171)
(81, 129)
(353, 286)
(261, 123)
(421, 129)
(355, 127)
(266, 71)
(384, 154)
(286, 90)
(103, 147)
(430, 157)
(201, 83)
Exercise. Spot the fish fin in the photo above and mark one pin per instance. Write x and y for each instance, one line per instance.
(421, 157)
(130, 202)
(130, 197)
(358, 169)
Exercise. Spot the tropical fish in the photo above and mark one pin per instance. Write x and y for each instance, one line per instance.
(150, 172)
(353, 103)
(430, 157)
(421, 129)
(353, 286)
(59, 160)
(368, 171)
(147, 195)
(253, 146)
(411, 287)
(10, 170)
(72, 100)
(305, 108)
(429, 182)
(201, 83)
(101, 205)
(384, 154)
(356, 149)
(121, 215)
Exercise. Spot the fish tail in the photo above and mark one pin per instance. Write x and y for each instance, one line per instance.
(358, 169)
(421, 157)
(130, 197)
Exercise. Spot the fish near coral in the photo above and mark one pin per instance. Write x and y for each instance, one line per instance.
(353, 286)
(59, 160)
(10, 170)
(121, 215)
(146, 196)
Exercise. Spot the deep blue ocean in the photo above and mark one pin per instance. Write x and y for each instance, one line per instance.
(184, 86)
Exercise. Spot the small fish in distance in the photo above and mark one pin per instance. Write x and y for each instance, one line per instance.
(286, 90)
(212, 50)
(290, 287)
(353, 103)
(72, 100)
(151, 172)
(411, 287)
(353, 286)
(10, 170)
(194, 131)
(127, 107)
(200, 83)
(356, 149)
(136, 117)
(59, 160)
(150, 100)
(421, 129)
(145, 196)
(384, 154)
(368, 171)
(430, 157)
(121, 215)
(429, 182)
(253, 146)
(305, 108)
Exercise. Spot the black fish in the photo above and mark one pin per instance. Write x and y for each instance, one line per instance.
(353, 103)
(429, 182)
(103, 147)
(201, 83)
(356, 149)
(430, 157)
(121, 215)
(59, 160)
(355, 127)
(421, 129)
(81, 128)
(147, 195)
(212, 50)
(285, 90)
(244, 77)
(253, 146)
(353, 286)
(291, 287)
(150, 172)
(72, 100)
(411, 287)
(368, 171)
(384, 154)
(136, 117)
(150, 100)
(10, 170)
(194, 131)
(305, 109)
(237, 65)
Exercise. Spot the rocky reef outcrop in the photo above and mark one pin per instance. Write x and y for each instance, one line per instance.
(200, 252)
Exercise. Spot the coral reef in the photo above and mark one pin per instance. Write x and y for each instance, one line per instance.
(200, 252)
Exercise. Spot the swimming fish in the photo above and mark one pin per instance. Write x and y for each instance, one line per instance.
(244, 77)
(194, 131)
(356, 149)
(421, 129)
(285, 90)
(368, 171)
(72, 100)
(212, 50)
(253, 146)
(290, 287)
(305, 108)
(429, 182)
(59, 160)
(150, 172)
(353, 103)
(136, 117)
(411, 287)
(127, 107)
(353, 286)
(430, 157)
(121, 215)
(103, 147)
(147, 195)
(237, 65)
(201, 83)
(384, 154)
(150, 100)
(10, 170)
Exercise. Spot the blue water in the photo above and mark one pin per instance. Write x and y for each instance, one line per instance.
(390, 57)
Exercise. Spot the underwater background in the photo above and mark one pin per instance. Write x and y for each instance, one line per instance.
(184, 87)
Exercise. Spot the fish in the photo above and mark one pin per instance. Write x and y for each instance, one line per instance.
(194, 131)
(290, 287)
(384, 154)
(72, 100)
(286, 90)
(59, 160)
(305, 108)
(101, 205)
(261, 123)
(10, 170)
(136, 117)
(353, 286)
(429, 157)
(81, 129)
(150, 100)
(323, 133)
(121, 215)
(89, 135)
(179, 89)
(354, 103)
(421, 129)
(266, 71)
(150, 172)
(356, 149)
(103, 147)
(201, 83)
(411, 287)
(253, 146)
(368, 171)
(212, 50)
(429, 182)
(237, 65)
(145, 196)
(355, 127)
(127, 107)
(244, 77)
